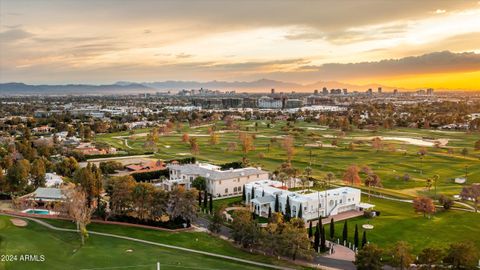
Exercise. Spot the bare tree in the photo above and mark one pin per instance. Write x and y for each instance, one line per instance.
(78, 208)
(471, 193)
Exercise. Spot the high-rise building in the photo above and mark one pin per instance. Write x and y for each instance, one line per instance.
(379, 90)
(430, 91)
(325, 91)
(315, 92)
(369, 91)
(345, 91)
(272, 91)
(395, 91)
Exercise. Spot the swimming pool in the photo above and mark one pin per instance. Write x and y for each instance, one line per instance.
(37, 211)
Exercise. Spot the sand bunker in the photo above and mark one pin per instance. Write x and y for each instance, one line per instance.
(412, 141)
(18, 222)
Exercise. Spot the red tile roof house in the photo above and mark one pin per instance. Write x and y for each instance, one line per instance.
(91, 150)
(42, 129)
(147, 166)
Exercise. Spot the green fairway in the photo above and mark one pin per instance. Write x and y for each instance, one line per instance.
(62, 250)
(398, 222)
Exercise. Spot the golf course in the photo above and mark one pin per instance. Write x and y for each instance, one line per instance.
(417, 153)
(63, 250)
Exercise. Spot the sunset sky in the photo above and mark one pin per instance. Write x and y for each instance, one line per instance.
(406, 44)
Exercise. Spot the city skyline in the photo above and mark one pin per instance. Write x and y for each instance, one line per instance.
(436, 44)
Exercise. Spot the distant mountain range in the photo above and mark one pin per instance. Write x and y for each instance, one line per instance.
(125, 87)
(70, 89)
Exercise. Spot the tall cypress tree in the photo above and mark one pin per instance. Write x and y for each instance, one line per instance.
(252, 195)
(211, 204)
(205, 199)
(269, 212)
(355, 237)
(316, 241)
(276, 206)
(200, 199)
(345, 233)
(288, 211)
(364, 238)
(244, 195)
(332, 229)
(323, 246)
(310, 230)
(300, 212)
(263, 193)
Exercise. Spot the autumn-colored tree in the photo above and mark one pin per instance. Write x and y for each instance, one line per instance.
(424, 205)
(183, 203)
(377, 143)
(3, 180)
(121, 189)
(142, 195)
(289, 147)
(230, 122)
(232, 146)
(294, 240)
(38, 172)
(244, 230)
(369, 258)
(214, 138)
(90, 180)
(430, 257)
(462, 255)
(194, 147)
(67, 166)
(401, 255)
(17, 175)
(185, 138)
(477, 145)
(351, 177)
(246, 142)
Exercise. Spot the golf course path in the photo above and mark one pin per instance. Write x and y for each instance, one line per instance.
(43, 223)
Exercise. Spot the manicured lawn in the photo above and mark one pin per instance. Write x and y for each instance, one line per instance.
(397, 222)
(63, 250)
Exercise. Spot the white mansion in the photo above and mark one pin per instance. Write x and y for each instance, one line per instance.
(314, 205)
(220, 183)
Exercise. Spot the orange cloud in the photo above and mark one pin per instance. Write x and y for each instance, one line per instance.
(441, 81)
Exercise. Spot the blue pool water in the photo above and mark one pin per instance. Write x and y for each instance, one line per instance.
(38, 212)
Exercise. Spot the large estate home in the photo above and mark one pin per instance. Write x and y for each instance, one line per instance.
(313, 204)
(220, 183)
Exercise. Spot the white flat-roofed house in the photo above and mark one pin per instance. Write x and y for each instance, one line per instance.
(220, 183)
(314, 205)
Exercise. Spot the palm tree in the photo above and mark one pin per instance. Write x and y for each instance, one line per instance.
(282, 177)
(435, 179)
(329, 178)
(307, 172)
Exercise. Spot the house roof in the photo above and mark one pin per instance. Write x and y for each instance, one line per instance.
(213, 172)
(49, 194)
(264, 199)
